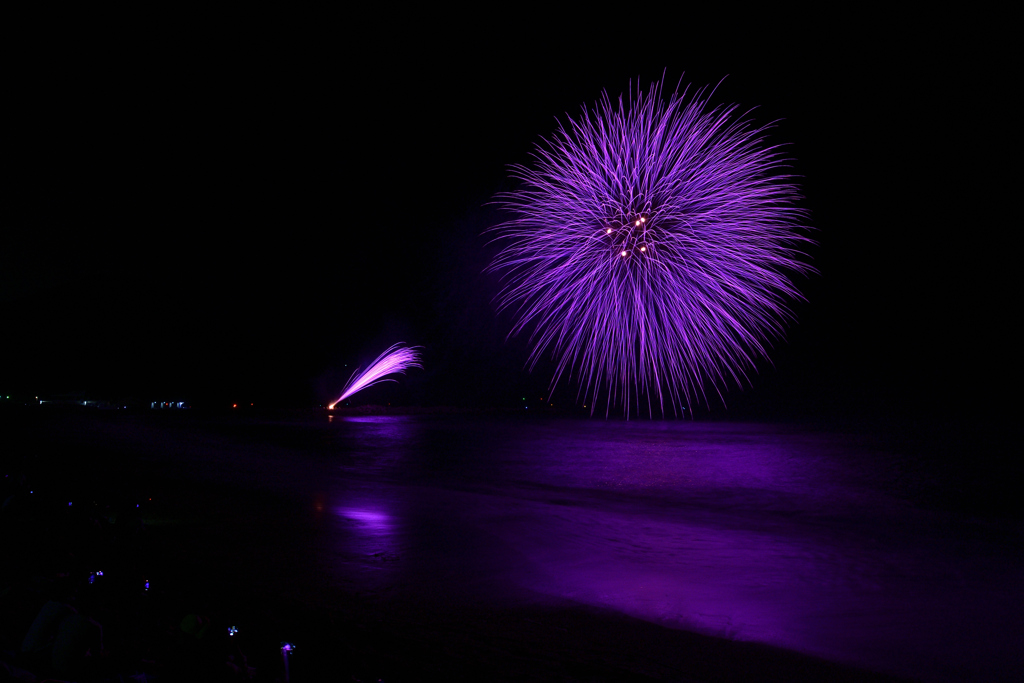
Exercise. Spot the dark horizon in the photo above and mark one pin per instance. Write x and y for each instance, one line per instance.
(248, 224)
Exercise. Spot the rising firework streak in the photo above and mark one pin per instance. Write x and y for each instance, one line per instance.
(651, 249)
(393, 361)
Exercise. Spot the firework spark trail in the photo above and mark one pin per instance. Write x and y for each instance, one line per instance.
(395, 360)
(651, 249)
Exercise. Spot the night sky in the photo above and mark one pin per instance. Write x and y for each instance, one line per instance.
(239, 217)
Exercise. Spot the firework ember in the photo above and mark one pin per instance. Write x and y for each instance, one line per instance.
(651, 249)
(393, 361)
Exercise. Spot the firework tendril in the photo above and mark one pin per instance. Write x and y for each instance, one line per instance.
(395, 360)
(651, 249)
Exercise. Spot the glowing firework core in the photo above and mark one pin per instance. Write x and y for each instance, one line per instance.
(651, 248)
(393, 361)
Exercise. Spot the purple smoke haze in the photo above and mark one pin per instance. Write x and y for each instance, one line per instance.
(651, 249)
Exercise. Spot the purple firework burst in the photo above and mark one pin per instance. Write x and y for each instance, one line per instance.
(651, 249)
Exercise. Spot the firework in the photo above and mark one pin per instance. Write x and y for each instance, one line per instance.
(651, 249)
(393, 361)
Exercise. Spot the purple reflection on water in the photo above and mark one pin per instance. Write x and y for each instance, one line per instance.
(815, 541)
(366, 546)
(795, 539)
(373, 522)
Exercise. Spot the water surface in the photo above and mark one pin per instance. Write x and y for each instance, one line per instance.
(806, 539)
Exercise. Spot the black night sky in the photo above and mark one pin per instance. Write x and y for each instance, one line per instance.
(236, 218)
